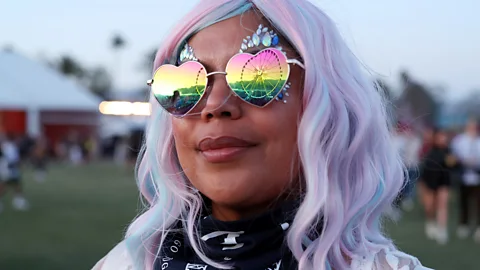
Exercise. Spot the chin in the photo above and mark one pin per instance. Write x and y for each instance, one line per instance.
(229, 188)
(241, 192)
(231, 199)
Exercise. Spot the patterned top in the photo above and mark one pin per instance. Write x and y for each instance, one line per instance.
(249, 244)
(119, 259)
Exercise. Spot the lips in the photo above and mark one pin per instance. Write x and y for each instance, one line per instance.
(224, 149)
(208, 144)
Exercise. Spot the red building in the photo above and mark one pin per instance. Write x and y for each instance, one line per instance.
(35, 99)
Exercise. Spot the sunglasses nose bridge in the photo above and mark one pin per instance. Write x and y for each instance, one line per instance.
(220, 82)
(211, 83)
(217, 72)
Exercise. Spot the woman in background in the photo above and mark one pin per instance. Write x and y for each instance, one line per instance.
(436, 170)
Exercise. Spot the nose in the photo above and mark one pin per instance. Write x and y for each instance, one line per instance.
(221, 102)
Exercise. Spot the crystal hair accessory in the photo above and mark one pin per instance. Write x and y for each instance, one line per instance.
(263, 36)
(187, 54)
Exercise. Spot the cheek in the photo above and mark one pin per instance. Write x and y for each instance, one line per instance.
(180, 130)
(285, 126)
(182, 141)
(280, 126)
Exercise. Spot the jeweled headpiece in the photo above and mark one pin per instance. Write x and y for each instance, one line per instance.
(263, 36)
(187, 54)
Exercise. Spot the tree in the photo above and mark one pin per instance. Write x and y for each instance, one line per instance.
(147, 63)
(68, 66)
(147, 67)
(438, 92)
(8, 48)
(470, 105)
(100, 82)
(118, 42)
(97, 80)
(416, 105)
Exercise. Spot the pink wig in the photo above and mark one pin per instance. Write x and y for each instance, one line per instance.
(351, 172)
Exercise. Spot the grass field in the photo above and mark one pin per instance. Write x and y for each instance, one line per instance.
(80, 213)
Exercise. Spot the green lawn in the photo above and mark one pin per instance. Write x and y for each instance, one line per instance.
(80, 213)
(409, 235)
(75, 218)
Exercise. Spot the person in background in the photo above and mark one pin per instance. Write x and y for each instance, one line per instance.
(39, 159)
(75, 149)
(11, 155)
(91, 146)
(25, 146)
(3, 170)
(466, 147)
(436, 170)
(427, 142)
(426, 145)
(121, 151)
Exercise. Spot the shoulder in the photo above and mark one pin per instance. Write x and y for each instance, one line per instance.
(117, 259)
(387, 259)
(457, 141)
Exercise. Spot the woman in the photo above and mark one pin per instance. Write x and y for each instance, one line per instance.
(424, 150)
(275, 153)
(436, 170)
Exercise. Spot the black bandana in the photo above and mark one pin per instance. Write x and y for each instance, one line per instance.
(251, 244)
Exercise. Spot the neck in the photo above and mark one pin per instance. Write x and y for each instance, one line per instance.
(224, 212)
(228, 213)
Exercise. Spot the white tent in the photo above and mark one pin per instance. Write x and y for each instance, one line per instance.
(34, 87)
(27, 84)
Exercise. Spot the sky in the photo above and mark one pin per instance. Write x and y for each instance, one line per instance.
(437, 41)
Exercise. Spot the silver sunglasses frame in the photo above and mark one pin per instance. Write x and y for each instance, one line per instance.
(294, 62)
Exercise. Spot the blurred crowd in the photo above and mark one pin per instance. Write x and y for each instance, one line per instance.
(20, 152)
(440, 162)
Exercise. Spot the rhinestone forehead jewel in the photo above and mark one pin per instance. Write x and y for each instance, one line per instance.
(263, 36)
(187, 54)
(284, 93)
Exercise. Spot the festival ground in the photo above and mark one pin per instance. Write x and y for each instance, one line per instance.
(79, 213)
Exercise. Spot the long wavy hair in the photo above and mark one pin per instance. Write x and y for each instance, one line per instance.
(351, 173)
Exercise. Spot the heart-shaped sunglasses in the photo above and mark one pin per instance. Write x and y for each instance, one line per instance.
(256, 79)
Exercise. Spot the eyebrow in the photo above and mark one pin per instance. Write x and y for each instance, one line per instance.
(253, 50)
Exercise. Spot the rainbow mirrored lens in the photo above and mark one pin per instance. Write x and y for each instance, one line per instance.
(257, 79)
(178, 89)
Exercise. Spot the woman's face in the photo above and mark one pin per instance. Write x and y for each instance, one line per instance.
(253, 151)
(441, 139)
(428, 135)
